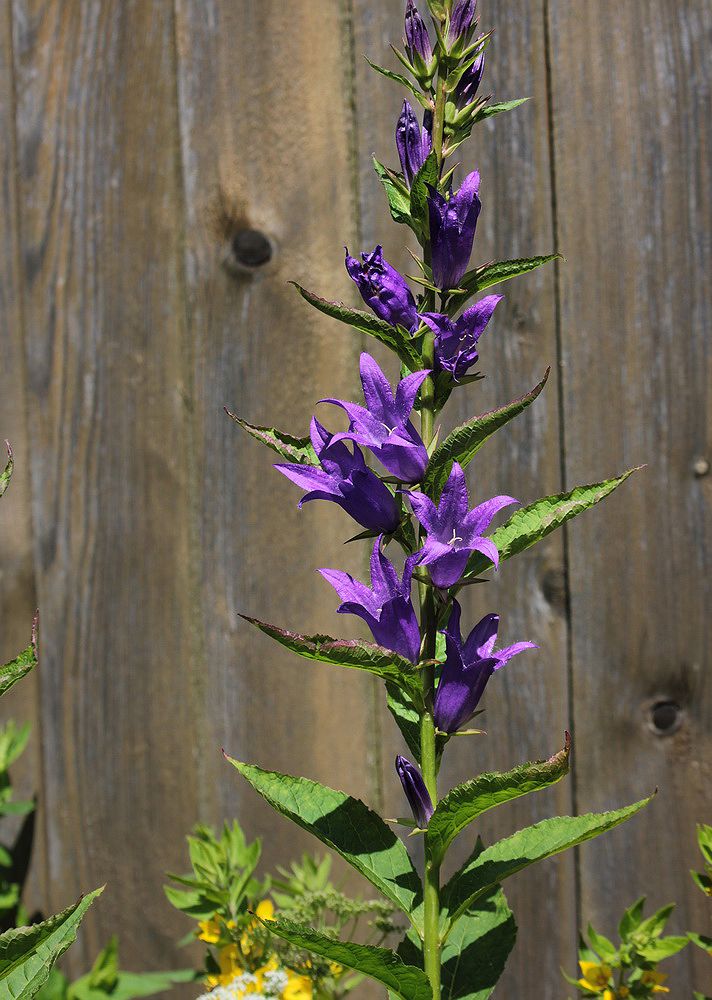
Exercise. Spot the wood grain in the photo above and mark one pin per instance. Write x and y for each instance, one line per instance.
(100, 210)
(634, 79)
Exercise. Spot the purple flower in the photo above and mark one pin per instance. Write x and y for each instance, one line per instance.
(461, 20)
(467, 668)
(415, 791)
(469, 84)
(417, 39)
(385, 606)
(383, 425)
(345, 479)
(452, 230)
(383, 288)
(453, 531)
(456, 340)
(413, 143)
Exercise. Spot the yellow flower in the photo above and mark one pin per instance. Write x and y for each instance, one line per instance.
(623, 991)
(209, 931)
(298, 987)
(655, 979)
(335, 969)
(595, 977)
(609, 995)
(265, 909)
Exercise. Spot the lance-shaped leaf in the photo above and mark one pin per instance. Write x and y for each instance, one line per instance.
(356, 653)
(6, 474)
(496, 109)
(294, 449)
(27, 954)
(466, 802)
(14, 671)
(404, 82)
(427, 176)
(530, 524)
(393, 337)
(487, 868)
(344, 824)
(476, 952)
(405, 981)
(396, 192)
(466, 440)
(496, 272)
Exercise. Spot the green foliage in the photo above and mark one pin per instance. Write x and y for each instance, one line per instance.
(530, 524)
(6, 474)
(27, 954)
(703, 881)
(345, 825)
(495, 273)
(406, 981)
(290, 448)
(394, 337)
(13, 740)
(463, 804)
(462, 444)
(18, 668)
(427, 177)
(397, 194)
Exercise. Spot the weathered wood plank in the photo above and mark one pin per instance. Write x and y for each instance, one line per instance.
(528, 706)
(266, 146)
(100, 208)
(633, 200)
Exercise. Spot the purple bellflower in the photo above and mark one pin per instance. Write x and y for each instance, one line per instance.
(461, 20)
(456, 339)
(470, 83)
(453, 531)
(452, 230)
(417, 40)
(385, 606)
(345, 479)
(383, 425)
(413, 143)
(467, 668)
(383, 288)
(415, 791)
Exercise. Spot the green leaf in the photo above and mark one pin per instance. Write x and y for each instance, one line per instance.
(291, 448)
(396, 192)
(426, 176)
(466, 440)
(704, 839)
(605, 948)
(530, 524)
(55, 988)
(403, 81)
(18, 668)
(657, 951)
(356, 653)
(496, 272)
(489, 110)
(631, 919)
(27, 954)
(130, 985)
(405, 981)
(701, 940)
(406, 717)
(466, 802)
(488, 868)
(703, 882)
(394, 337)
(654, 925)
(6, 475)
(344, 824)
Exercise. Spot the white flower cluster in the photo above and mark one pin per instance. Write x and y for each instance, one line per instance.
(273, 986)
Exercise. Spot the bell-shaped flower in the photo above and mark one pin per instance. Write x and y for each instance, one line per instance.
(452, 230)
(462, 20)
(383, 425)
(467, 668)
(383, 288)
(417, 40)
(385, 606)
(469, 84)
(456, 339)
(454, 531)
(413, 143)
(345, 479)
(415, 791)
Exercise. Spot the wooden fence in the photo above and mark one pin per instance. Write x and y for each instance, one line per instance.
(140, 140)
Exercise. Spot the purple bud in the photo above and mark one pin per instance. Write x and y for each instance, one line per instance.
(415, 791)
(417, 39)
(452, 230)
(413, 143)
(461, 19)
(469, 84)
(383, 288)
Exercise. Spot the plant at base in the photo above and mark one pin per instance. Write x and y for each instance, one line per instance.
(13, 740)
(703, 880)
(631, 969)
(461, 932)
(230, 904)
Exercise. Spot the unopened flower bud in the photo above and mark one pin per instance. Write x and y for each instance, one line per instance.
(415, 791)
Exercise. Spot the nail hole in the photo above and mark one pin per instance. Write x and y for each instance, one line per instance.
(665, 717)
(251, 248)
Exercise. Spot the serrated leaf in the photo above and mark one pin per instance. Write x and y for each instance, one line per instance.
(18, 668)
(293, 449)
(489, 110)
(488, 868)
(356, 653)
(466, 802)
(397, 339)
(496, 272)
(466, 440)
(426, 176)
(397, 194)
(405, 981)
(6, 474)
(55, 988)
(344, 824)
(530, 524)
(27, 954)
(403, 81)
